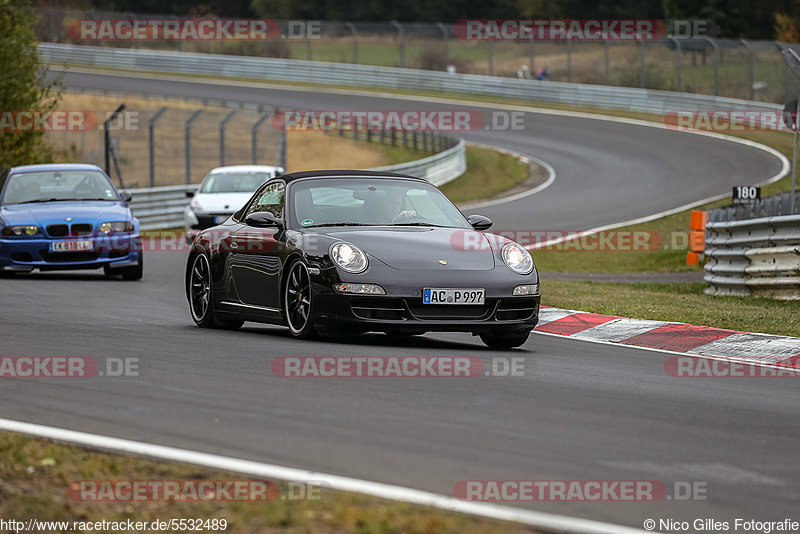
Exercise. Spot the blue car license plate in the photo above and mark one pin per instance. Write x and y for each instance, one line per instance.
(71, 246)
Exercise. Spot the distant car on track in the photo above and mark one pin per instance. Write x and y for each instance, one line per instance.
(223, 191)
(356, 251)
(66, 216)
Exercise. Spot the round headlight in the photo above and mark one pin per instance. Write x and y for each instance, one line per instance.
(517, 258)
(349, 257)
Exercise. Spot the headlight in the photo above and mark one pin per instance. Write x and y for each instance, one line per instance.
(517, 258)
(23, 230)
(349, 257)
(373, 289)
(528, 289)
(115, 227)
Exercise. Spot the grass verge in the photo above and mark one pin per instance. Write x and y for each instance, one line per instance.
(35, 474)
(684, 303)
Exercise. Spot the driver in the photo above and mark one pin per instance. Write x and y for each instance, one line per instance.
(398, 206)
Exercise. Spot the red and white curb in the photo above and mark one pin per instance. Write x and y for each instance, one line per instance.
(673, 337)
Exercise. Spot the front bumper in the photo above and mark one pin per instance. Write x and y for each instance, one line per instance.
(401, 309)
(116, 251)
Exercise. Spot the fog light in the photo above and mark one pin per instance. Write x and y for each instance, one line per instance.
(372, 289)
(528, 289)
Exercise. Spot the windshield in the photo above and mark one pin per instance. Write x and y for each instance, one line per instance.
(47, 186)
(372, 201)
(238, 182)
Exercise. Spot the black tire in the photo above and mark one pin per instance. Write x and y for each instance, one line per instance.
(135, 272)
(201, 297)
(505, 340)
(298, 301)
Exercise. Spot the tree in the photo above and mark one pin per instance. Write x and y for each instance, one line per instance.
(23, 86)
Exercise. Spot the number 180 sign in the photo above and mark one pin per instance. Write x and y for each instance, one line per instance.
(745, 194)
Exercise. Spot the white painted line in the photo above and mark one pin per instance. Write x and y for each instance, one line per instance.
(551, 177)
(540, 520)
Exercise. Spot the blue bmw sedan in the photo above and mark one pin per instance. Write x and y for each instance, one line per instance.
(66, 216)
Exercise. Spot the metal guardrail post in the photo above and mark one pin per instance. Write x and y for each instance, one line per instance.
(222, 124)
(254, 137)
(715, 46)
(282, 151)
(751, 70)
(446, 38)
(187, 127)
(151, 140)
(352, 27)
(401, 40)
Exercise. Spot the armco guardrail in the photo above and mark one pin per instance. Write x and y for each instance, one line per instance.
(771, 206)
(162, 207)
(756, 257)
(632, 99)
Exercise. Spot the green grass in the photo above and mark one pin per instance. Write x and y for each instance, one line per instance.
(35, 474)
(488, 173)
(676, 302)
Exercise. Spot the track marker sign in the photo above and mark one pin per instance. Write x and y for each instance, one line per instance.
(746, 194)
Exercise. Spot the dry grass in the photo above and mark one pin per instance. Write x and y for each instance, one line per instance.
(316, 150)
(305, 151)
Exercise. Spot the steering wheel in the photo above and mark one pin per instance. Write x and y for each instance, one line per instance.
(406, 215)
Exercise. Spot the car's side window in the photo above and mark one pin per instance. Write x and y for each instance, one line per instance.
(271, 199)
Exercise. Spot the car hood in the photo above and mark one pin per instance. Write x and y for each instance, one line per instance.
(46, 213)
(220, 202)
(422, 247)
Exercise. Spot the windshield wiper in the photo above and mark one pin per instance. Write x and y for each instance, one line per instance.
(417, 224)
(60, 200)
(338, 224)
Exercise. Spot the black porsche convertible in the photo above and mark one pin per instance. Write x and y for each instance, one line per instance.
(332, 252)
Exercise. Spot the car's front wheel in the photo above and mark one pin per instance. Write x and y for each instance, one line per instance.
(201, 298)
(298, 300)
(505, 340)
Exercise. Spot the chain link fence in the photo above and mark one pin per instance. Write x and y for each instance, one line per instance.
(174, 143)
(752, 70)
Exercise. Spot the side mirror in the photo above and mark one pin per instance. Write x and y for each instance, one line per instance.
(125, 195)
(479, 222)
(189, 194)
(263, 219)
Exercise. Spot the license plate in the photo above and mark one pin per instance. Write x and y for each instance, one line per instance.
(432, 295)
(70, 246)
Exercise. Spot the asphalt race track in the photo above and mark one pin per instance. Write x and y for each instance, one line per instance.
(582, 411)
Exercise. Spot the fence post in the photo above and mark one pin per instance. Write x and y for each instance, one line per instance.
(187, 127)
(222, 124)
(401, 39)
(254, 135)
(531, 58)
(786, 89)
(607, 70)
(569, 59)
(714, 44)
(446, 38)
(752, 72)
(642, 71)
(491, 57)
(107, 136)
(677, 63)
(352, 27)
(151, 138)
